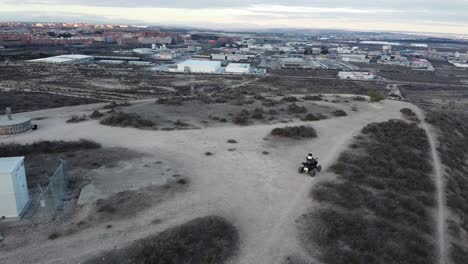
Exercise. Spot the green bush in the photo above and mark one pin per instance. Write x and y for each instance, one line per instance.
(376, 96)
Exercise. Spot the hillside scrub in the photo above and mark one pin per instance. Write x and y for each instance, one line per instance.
(453, 149)
(295, 132)
(205, 240)
(378, 209)
(46, 147)
(122, 119)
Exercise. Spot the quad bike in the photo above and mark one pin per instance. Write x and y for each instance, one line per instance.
(311, 169)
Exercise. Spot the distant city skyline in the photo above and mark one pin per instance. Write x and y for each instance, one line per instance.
(427, 16)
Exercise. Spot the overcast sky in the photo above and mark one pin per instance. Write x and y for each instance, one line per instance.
(449, 16)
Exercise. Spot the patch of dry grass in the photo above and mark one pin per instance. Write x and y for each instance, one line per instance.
(205, 240)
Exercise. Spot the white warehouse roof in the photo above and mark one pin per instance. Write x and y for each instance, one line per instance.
(75, 56)
(239, 65)
(199, 66)
(70, 58)
(200, 63)
(242, 68)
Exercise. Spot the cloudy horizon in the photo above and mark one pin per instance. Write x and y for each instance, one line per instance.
(427, 16)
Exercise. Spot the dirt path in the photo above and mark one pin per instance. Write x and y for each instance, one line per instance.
(440, 193)
(262, 194)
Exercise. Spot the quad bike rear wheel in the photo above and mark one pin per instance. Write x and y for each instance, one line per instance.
(301, 170)
(319, 168)
(312, 172)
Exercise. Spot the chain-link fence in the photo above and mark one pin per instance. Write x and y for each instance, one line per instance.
(47, 200)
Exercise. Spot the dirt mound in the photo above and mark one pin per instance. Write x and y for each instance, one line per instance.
(207, 240)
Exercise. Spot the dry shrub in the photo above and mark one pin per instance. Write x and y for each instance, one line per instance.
(96, 114)
(359, 98)
(180, 123)
(270, 102)
(170, 100)
(113, 105)
(258, 113)
(122, 119)
(296, 109)
(312, 98)
(77, 119)
(54, 235)
(311, 117)
(290, 99)
(339, 113)
(295, 132)
(241, 118)
(409, 114)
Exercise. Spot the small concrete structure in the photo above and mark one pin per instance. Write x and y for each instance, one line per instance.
(10, 125)
(14, 194)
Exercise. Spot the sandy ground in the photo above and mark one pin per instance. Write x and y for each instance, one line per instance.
(261, 194)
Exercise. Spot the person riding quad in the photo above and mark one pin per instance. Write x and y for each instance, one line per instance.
(310, 161)
(310, 166)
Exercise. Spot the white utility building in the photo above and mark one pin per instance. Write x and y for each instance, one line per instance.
(199, 66)
(241, 68)
(14, 195)
(361, 76)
